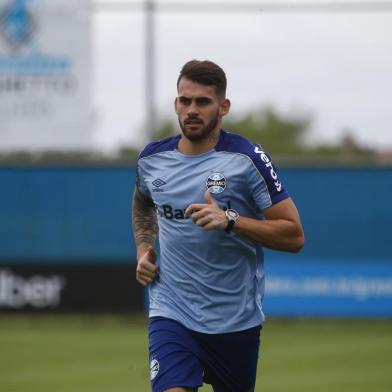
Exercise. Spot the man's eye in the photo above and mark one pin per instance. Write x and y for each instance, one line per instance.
(184, 101)
(202, 101)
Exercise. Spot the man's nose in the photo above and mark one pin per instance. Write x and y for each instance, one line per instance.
(193, 109)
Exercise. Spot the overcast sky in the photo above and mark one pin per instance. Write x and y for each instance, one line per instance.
(336, 67)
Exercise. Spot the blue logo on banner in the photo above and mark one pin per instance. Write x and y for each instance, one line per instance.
(17, 24)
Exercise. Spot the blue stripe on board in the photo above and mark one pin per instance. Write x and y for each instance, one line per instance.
(83, 213)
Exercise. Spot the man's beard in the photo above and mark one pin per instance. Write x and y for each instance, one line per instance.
(203, 133)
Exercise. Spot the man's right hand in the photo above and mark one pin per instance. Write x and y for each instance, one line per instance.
(147, 269)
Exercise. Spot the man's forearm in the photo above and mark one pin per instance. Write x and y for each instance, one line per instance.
(277, 234)
(144, 220)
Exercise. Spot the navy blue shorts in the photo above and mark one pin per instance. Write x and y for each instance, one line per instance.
(180, 357)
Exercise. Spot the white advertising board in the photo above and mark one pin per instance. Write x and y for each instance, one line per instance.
(45, 75)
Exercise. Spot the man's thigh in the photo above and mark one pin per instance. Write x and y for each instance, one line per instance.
(174, 364)
(180, 359)
(230, 359)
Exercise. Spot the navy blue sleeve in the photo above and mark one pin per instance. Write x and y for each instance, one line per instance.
(156, 147)
(272, 189)
(266, 168)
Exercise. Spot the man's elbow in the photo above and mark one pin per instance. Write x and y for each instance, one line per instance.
(297, 243)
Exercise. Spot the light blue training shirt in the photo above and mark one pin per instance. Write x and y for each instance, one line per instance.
(209, 281)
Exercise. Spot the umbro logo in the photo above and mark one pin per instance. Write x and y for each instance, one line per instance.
(158, 183)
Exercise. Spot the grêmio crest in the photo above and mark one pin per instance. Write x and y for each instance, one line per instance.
(216, 183)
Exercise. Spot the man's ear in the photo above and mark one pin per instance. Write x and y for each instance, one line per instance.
(225, 107)
(175, 105)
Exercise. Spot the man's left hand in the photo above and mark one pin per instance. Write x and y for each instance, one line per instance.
(209, 216)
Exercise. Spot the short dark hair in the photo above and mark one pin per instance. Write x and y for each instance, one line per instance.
(205, 72)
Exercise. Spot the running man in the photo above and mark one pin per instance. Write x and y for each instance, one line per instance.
(216, 200)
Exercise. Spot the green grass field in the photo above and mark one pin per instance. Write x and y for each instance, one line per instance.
(109, 354)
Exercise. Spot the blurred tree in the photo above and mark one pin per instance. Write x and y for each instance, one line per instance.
(277, 134)
(282, 136)
(167, 128)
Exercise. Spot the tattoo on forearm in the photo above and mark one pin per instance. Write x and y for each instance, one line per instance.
(144, 219)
